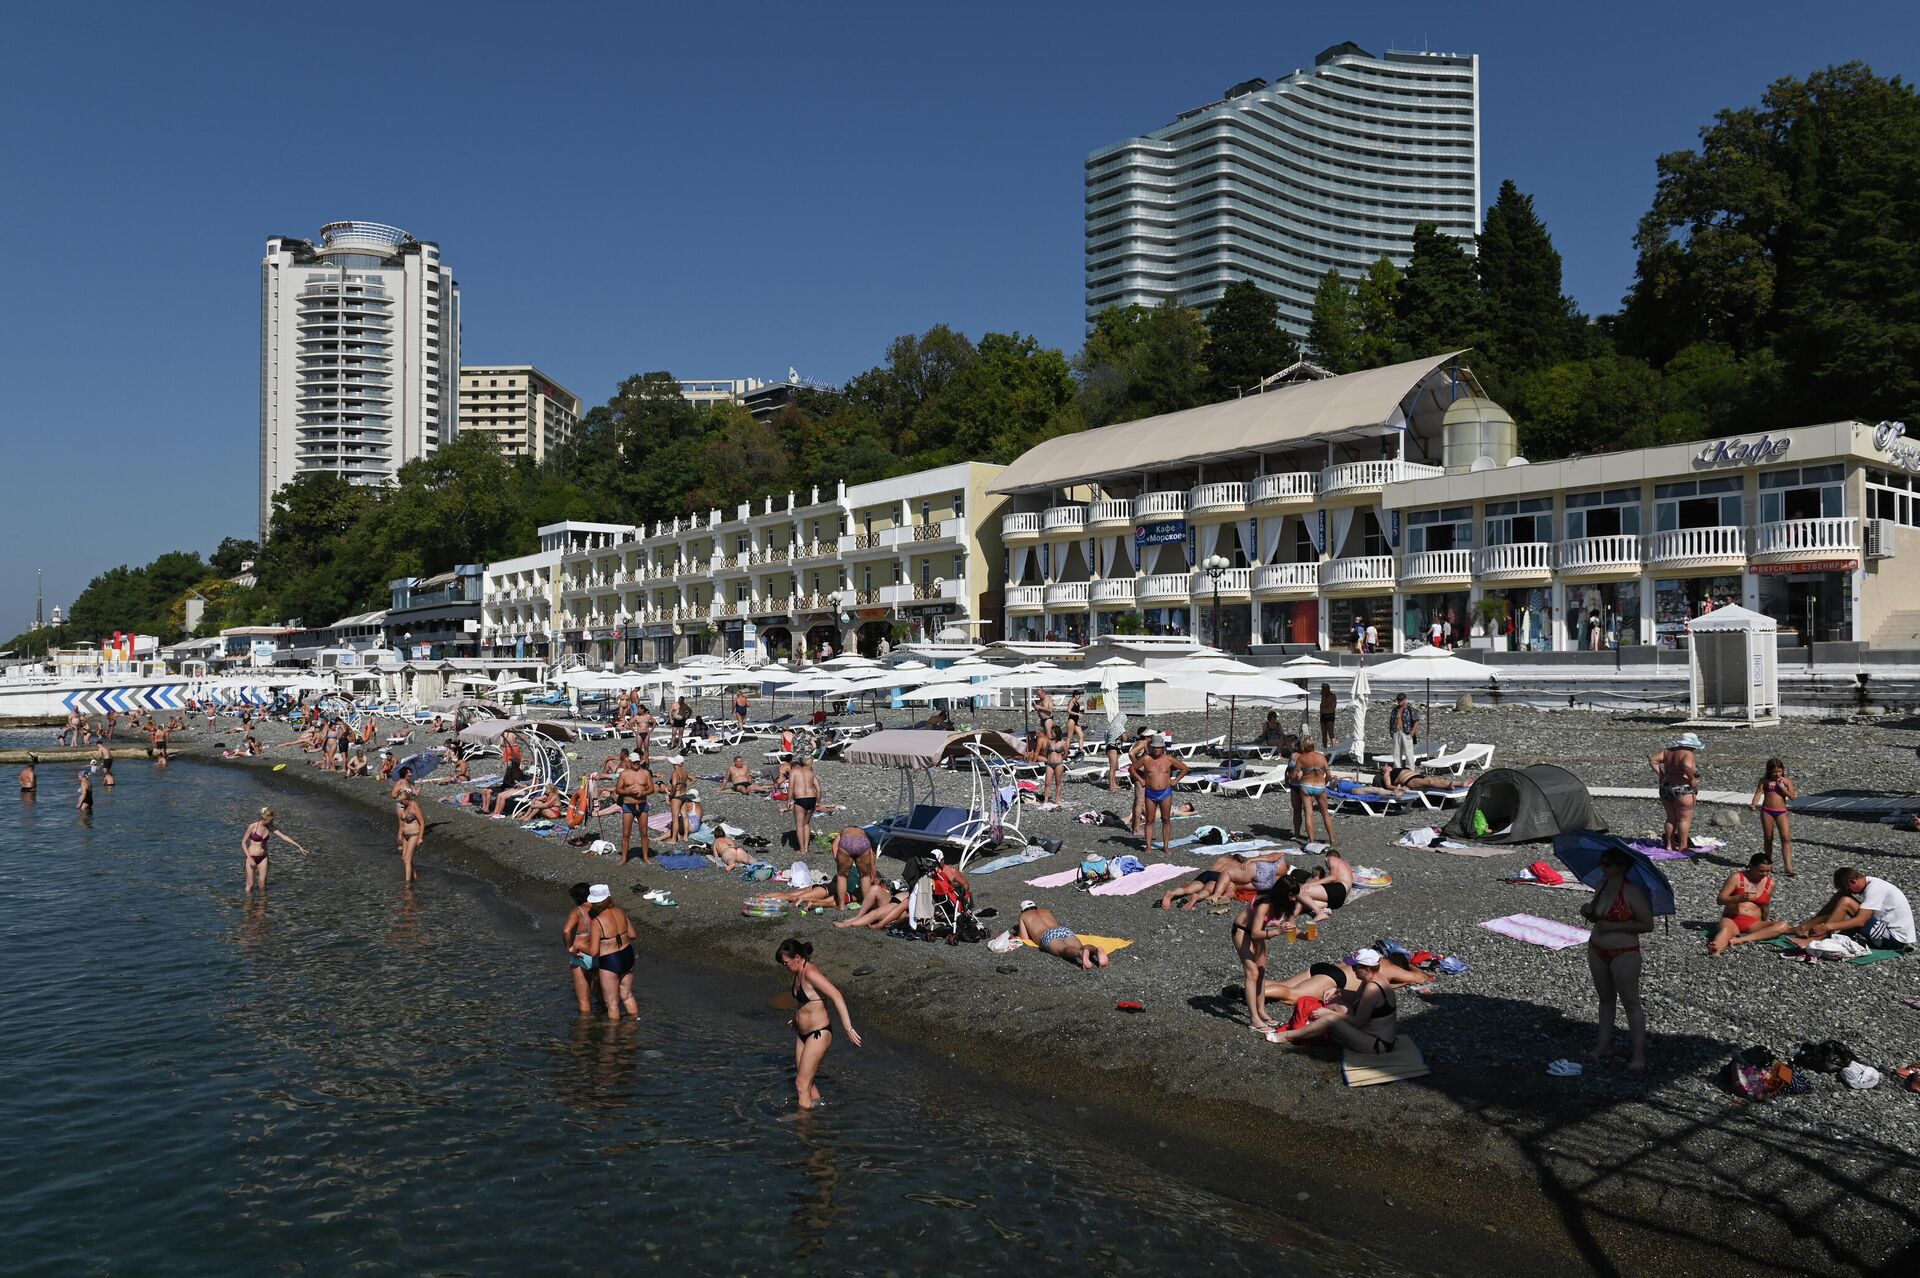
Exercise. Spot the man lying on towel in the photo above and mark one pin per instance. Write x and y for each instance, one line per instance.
(1872, 911)
(1038, 925)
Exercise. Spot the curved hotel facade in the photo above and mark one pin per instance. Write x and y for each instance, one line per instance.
(359, 355)
(1332, 166)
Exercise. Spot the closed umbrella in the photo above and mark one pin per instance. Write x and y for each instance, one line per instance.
(1581, 850)
(1362, 690)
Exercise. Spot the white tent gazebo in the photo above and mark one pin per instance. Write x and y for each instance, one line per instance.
(1733, 671)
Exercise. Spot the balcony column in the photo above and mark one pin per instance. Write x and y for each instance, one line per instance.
(1648, 633)
(1557, 623)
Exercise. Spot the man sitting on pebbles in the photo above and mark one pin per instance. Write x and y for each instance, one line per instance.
(1038, 925)
(1871, 910)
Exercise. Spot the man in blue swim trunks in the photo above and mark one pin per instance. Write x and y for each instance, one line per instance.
(1156, 774)
(631, 790)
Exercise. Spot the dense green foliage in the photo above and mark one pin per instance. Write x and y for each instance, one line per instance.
(1778, 283)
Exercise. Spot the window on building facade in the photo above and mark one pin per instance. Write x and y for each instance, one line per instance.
(1806, 492)
(1511, 523)
(1448, 529)
(1614, 512)
(1699, 503)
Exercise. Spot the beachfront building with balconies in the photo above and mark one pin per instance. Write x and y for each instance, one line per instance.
(896, 559)
(1393, 498)
(520, 597)
(1330, 167)
(359, 352)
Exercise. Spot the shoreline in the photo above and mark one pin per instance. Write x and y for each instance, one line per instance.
(1479, 1166)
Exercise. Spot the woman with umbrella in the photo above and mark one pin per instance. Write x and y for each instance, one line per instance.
(1621, 913)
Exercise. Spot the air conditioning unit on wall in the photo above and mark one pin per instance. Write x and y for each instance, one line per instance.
(1880, 542)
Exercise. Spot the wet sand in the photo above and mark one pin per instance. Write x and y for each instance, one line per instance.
(1488, 1158)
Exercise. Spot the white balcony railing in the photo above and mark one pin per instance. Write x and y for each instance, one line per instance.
(1217, 497)
(1110, 512)
(1169, 587)
(1026, 596)
(1063, 519)
(1067, 594)
(1026, 524)
(1436, 565)
(1292, 486)
(1363, 570)
(1159, 506)
(1681, 544)
(1114, 590)
(1517, 559)
(1286, 578)
(1233, 582)
(1594, 554)
(1373, 474)
(1808, 537)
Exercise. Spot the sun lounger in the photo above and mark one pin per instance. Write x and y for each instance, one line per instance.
(1344, 800)
(1188, 749)
(1435, 800)
(1470, 755)
(1421, 753)
(1254, 784)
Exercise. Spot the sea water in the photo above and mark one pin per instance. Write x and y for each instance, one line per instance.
(345, 1075)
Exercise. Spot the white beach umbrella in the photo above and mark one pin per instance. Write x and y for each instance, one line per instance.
(1426, 663)
(847, 660)
(1362, 690)
(511, 685)
(1236, 687)
(946, 692)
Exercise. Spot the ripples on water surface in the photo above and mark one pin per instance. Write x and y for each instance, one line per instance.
(352, 1078)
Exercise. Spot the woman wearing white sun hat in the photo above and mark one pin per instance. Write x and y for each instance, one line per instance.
(1677, 768)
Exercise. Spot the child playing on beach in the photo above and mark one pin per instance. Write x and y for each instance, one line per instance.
(1771, 795)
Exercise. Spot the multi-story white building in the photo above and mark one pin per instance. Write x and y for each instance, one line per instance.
(359, 348)
(704, 392)
(900, 557)
(526, 411)
(1329, 167)
(1392, 498)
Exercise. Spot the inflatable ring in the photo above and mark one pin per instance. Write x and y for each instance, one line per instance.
(577, 809)
(764, 907)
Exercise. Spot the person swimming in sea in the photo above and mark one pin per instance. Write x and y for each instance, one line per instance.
(30, 777)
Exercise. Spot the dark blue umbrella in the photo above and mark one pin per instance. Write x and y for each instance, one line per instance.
(425, 762)
(1581, 850)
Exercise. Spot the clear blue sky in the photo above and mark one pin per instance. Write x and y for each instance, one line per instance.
(717, 189)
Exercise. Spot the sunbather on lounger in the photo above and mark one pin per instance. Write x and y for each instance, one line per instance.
(1038, 924)
(1398, 780)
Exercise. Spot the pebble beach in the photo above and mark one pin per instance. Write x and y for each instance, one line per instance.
(1602, 1166)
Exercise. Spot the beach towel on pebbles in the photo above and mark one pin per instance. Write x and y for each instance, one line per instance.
(1146, 878)
(1535, 930)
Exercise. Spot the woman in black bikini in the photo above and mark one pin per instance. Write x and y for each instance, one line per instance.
(609, 938)
(1266, 917)
(1621, 913)
(253, 847)
(1366, 1021)
(1075, 734)
(811, 1024)
(1054, 756)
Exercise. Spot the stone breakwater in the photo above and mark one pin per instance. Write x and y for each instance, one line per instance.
(1603, 1165)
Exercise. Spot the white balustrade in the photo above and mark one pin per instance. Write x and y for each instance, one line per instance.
(1063, 519)
(1808, 537)
(1373, 474)
(1170, 587)
(1436, 565)
(1233, 581)
(1516, 559)
(1026, 596)
(1592, 554)
(1231, 496)
(1295, 578)
(1026, 523)
(1719, 542)
(1290, 486)
(1362, 570)
(1110, 512)
(1114, 590)
(1159, 506)
(1067, 594)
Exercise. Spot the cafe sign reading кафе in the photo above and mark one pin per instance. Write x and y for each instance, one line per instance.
(1738, 452)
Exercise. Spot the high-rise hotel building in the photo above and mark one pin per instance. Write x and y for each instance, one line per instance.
(359, 355)
(1332, 166)
(528, 413)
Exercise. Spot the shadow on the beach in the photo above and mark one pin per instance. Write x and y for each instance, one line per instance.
(1609, 1147)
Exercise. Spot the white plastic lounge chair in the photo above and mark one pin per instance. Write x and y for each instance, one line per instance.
(1255, 783)
(1421, 754)
(1471, 755)
(1187, 749)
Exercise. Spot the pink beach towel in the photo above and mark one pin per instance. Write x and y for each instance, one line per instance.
(1062, 879)
(1127, 885)
(1535, 930)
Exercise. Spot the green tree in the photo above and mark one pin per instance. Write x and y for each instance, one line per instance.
(1530, 322)
(1440, 307)
(1333, 336)
(231, 556)
(1245, 342)
(1140, 362)
(1376, 301)
(1795, 228)
(1008, 398)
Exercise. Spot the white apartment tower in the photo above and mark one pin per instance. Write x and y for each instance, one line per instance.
(1332, 166)
(359, 355)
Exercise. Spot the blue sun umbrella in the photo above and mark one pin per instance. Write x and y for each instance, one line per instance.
(422, 764)
(1581, 850)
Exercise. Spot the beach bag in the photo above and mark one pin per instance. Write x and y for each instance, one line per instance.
(1829, 1057)
(1747, 1081)
(759, 872)
(1208, 834)
(1093, 867)
(1544, 873)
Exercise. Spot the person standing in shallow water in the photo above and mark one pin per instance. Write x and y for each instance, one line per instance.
(253, 847)
(812, 1035)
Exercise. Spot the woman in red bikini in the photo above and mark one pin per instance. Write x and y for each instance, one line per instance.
(1771, 796)
(1743, 902)
(1621, 914)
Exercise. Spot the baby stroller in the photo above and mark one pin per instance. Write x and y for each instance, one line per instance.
(941, 906)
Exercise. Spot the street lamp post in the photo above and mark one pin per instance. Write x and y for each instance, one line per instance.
(1216, 567)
